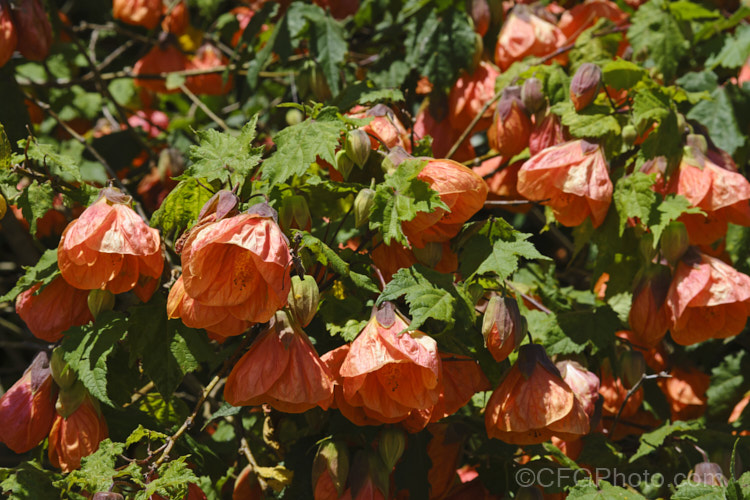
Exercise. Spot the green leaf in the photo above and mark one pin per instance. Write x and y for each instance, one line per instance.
(735, 51)
(172, 481)
(586, 489)
(652, 441)
(298, 147)
(180, 208)
(29, 481)
(329, 47)
(657, 39)
(430, 295)
(439, 45)
(343, 316)
(698, 81)
(719, 118)
(86, 349)
(168, 349)
(224, 157)
(621, 74)
(326, 256)
(728, 385)
(98, 471)
(595, 120)
(226, 410)
(35, 201)
(634, 197)
(685, 10)
(400, 198)
(42, 272)
(649, 105)
(595, 327)
(503, 261)
(665, 141)
(5, 149)
(688, 490)
(479, 238)
(671, 209)
(141, 432)
(546, 331)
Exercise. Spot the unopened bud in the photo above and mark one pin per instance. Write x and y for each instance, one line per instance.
(224, 204)
(391, 446)
(303, 299)
(646, 244)
(363, 204)
(394, 158)
(503, 327)
(674, 242)
(100, 301)
(294, 213)
(61, 372)
(697, 141)
(632, 368)
(344, 164)
(3, 206)
(708, 473)
(532, 95)
(585, 85)
(107, 495)
(629, 135)
(331, 465)
(358, 146)
(430, 254)
(294, 116)
(69, 399)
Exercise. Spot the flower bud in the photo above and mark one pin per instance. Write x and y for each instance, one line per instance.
(532, 95)
(294, 116)
(503, 327)
(247, 487)
(585, 85)
(480, 13)
(295, 214)
(3, 206)
(8, 41)
(61, 372)
(632, 368)
(70, 399)
(33, 28)
(224, 204)
(344, 164)
(357, 146)
(629, 135)
(511, 127)
(100, 301)
(674, 242)
(369, 474)
(698, 142)
(363, 206)
(391, 445)
(312, 83)
(330, 469)
(708, 473)
(303, 299)
(394, 158)
(107, 495)
(430, 254)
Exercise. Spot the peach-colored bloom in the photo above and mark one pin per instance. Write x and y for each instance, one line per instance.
(56, 308)
(281, 369)
(572, 178)
(385, 127)
(613, 394)
(109, 247)
(708, 299)
(76, 436)
(144, 13)
(443, 135)
(8, 34)
(468, 96)
(27, 409)
(511, 126)
(208, 57)
(524, 34)
(583, 383)
(583, 16)
(649, 316)
(686, 392)
(533, 403)
(389, 373)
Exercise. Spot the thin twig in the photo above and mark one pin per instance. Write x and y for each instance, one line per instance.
(473, 123)
(633, 391)
(203, 107)
(245, 450)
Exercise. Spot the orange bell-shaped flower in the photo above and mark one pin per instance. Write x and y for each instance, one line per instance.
(511, 127)
(281, 369)
(240, 263)
(533, 403)
(708, 299)
(686, 392)
(525, 34)
(384, 127)
(583, 16)
(76, 436)
(56, 308)
(468, 96)
(144, 13)
(109, 247)
(27, 409)
(649, 316)
(572, 178)
(460, 188)
(208, 57)
(388, 373)
(166, 59)
(461, 379)
(8, 33)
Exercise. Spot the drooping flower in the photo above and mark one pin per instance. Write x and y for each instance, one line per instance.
(33, 28)
(238, 263)
(27, 409)
(281, 369)
(462, 190)
(206, 58)
(583, 383)
(144, 13)
(503, 327)
(388, 373)
(443, 135)
(444, 449)
(330, 470)
(109, 247)
(649, 316)
(384, 126)
(77, 435)
(468, 96)
(177, 20)
(546, 133)
(525, 34)
(708, 299)
(511, 126)
(613, 394)
(8, 33)
(166, 59)
(583, 16)
(686, 392)
(572, 178)
(56, 308)
(533, 403)
(461, 379)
